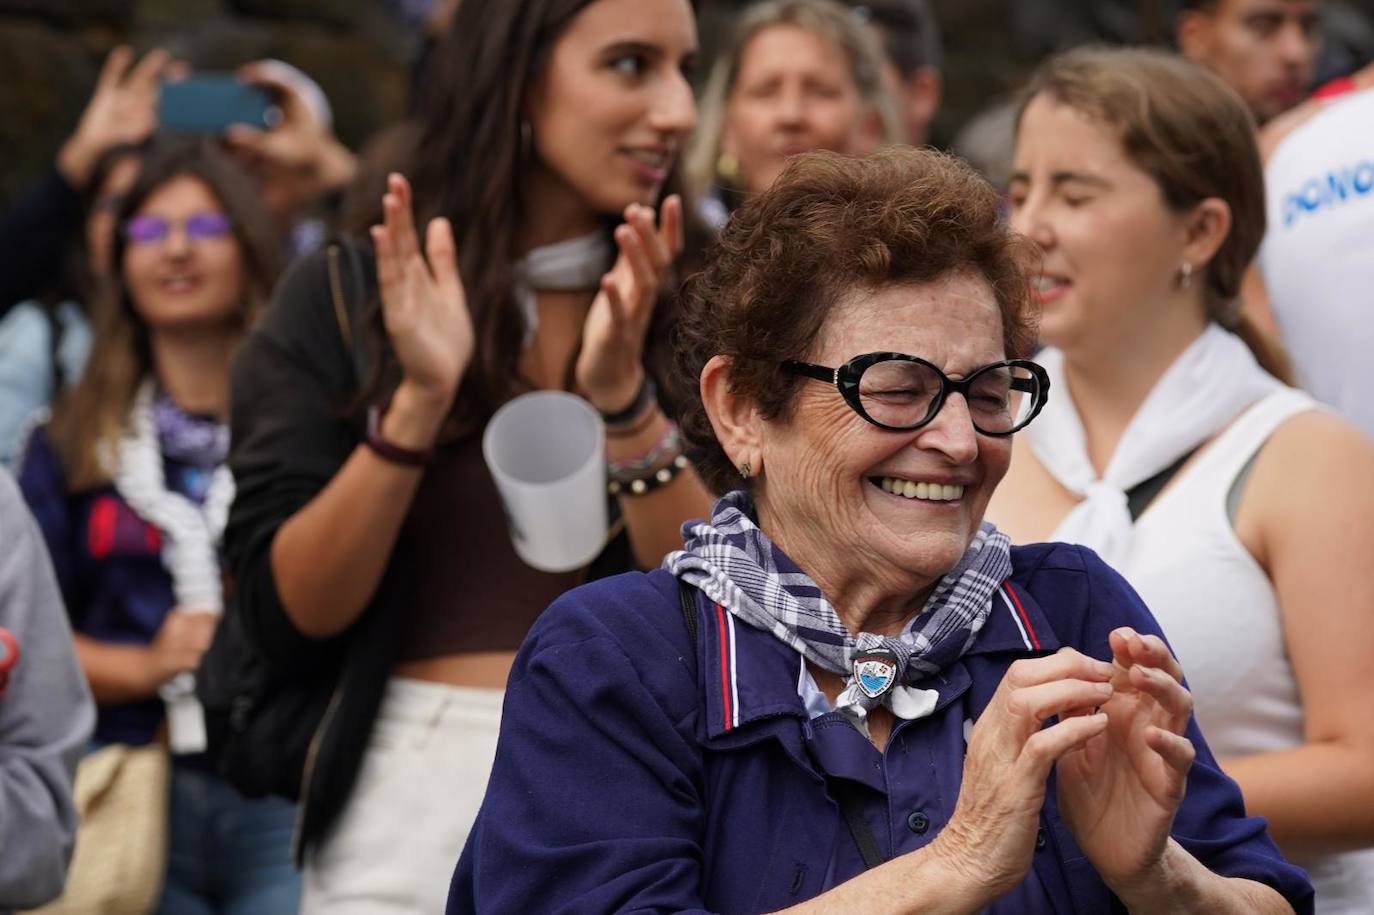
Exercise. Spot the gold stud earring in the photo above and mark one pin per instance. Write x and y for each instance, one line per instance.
(727, 167)
(744, 470)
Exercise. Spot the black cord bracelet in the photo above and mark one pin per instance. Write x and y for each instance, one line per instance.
(646, 394)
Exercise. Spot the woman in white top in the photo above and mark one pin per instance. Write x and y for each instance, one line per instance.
(1137, 174)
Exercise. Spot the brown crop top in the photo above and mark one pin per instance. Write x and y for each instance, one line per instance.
(469, 591)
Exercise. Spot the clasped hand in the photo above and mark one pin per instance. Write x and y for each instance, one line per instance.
(1120, 757)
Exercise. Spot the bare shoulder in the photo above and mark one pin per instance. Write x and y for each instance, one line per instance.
(1316, 470)
(1318, 442)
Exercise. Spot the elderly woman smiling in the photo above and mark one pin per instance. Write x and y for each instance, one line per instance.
(847, 692)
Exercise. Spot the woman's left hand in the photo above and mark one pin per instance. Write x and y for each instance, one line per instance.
(610, 367)
(1119, 792)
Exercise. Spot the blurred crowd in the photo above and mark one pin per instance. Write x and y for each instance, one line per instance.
(260, 590)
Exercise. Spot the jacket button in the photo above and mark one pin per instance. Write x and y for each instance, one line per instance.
(918, 823)
(1040, 839)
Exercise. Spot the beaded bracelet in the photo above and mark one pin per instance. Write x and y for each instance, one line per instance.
(668, 444)
(661, 477)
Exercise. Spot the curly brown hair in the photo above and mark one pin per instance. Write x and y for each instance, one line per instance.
(829, 225)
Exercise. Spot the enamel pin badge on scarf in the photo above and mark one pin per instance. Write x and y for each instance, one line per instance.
(875, 671)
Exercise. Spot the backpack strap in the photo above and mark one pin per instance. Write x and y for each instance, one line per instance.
(348, 301)
(687, 599)
(336, 295)
(847, 796)
(846, 793)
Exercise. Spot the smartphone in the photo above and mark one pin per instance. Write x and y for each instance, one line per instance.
(210, 102)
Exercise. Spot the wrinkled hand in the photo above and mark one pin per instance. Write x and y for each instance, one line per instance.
(298, 159)
(423, 303)
(1119, 791)
(179, 644)
(610, 367)
(122, 110)
(990, 838)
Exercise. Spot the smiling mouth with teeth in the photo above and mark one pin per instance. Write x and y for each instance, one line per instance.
(909, 489)
(177, 285)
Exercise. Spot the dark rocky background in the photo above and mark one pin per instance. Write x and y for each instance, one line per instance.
(360, 51)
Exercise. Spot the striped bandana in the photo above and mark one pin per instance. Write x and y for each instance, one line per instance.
(736, 565)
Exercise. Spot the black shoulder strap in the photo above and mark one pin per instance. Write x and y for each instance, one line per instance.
(845, 792)
(1139, 496)
(687, 598)
(847, 796)
(349, 300)
(56, 330)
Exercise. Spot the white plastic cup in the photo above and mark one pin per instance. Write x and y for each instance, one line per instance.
(546, 452)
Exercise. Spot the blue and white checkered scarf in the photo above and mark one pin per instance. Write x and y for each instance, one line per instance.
(735, 564)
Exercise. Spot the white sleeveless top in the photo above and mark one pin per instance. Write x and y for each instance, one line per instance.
(1220, 613)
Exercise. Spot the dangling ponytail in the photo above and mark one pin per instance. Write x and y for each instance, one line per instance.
(1266, 349)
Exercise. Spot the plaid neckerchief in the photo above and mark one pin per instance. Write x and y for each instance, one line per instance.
(736, 565)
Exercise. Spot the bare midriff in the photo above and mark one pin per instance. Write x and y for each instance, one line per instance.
(480, 669)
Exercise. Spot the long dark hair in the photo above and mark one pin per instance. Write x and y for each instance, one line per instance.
(468, 165)
(96, 411)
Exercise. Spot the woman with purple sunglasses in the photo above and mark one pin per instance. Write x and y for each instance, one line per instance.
(129, 484)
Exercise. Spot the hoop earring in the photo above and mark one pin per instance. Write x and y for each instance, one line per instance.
(1185, 275)
(744, 470)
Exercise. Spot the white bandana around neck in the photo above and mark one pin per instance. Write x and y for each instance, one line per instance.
(1205, 388)
(191, 535)
(566, 266)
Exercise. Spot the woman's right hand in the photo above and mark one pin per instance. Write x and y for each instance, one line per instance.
(990, 838)
(424, 306)
(123, 109)
(181, 640)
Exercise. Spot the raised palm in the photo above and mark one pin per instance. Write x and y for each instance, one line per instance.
(610, 364)
(122, 110)
(424, 306)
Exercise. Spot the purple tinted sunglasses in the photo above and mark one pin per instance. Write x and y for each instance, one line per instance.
(147, 230)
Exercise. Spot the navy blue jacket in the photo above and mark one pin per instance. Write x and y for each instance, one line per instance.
(637, 772)
(109, 567)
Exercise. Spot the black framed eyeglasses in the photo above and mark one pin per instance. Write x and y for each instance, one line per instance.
(901, 393)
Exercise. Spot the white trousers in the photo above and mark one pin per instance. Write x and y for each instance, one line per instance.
(394, 846)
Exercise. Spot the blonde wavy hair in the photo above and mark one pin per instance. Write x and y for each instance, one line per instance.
(824, 18)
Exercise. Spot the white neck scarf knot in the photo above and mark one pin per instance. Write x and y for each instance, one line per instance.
(573, 265)
(1205, 388)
